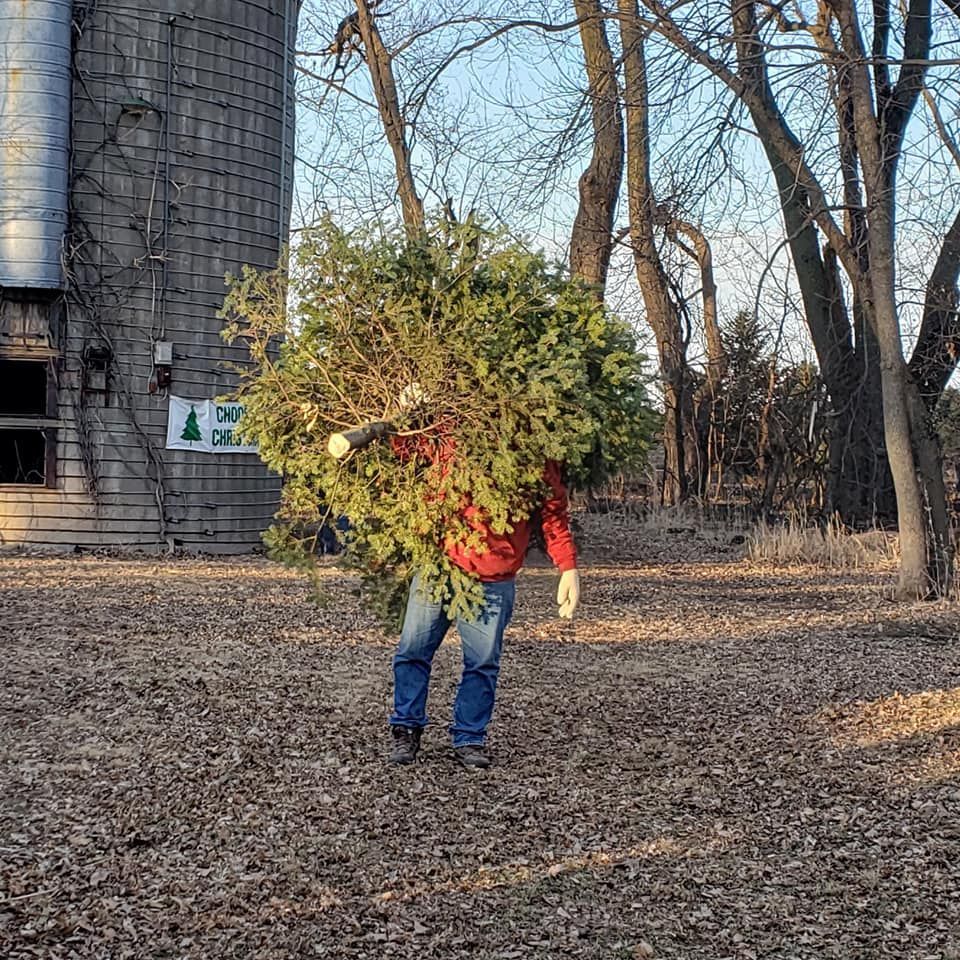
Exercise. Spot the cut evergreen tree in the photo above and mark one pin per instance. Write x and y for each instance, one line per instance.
(508, 362)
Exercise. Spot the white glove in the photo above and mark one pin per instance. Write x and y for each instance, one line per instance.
(568, 593)
(412, 396)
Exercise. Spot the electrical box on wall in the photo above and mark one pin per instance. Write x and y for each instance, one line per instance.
(163, 353)
(95, 373)
(162, 364)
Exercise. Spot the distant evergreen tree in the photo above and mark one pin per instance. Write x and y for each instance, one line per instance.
(771, 418)
(743, 393)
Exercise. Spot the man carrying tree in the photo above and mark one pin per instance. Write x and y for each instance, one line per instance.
(426, 623)
(495, 563)
(505, 369)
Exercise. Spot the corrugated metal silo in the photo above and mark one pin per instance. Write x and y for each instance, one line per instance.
(182, 147)
(34, 141)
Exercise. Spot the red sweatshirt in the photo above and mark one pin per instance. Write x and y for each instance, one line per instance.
(505, 552)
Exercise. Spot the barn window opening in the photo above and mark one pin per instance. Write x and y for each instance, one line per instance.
(23, 457)
(23, 388)
(28, 424)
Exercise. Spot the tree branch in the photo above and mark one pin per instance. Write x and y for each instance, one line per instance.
(384, 87)
(894, 111)
(881, 42)
(591, 239)
(427, 84)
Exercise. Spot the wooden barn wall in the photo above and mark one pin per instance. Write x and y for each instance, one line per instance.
(159, 216)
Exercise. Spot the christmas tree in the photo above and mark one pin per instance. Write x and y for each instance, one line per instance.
(512, 364)
(191, 429)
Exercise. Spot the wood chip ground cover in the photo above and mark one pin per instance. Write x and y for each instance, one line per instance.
(714, 760)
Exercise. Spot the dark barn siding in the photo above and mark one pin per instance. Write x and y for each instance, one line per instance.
(220, 178)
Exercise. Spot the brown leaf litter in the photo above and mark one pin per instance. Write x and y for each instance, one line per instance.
(714, 760)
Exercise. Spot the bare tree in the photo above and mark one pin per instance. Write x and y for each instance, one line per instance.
(687, 403)
(661, 308)
(700, 453)
(465, 123)
(910, 442)
(858, 355)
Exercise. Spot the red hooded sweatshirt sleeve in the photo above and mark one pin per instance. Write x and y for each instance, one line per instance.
(555, 520)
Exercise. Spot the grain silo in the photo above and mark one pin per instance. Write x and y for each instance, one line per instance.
(145, 151)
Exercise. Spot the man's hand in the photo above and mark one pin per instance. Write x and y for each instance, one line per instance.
(568, 593)
(411, 397)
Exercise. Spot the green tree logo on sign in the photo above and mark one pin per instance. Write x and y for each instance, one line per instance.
(191, 429)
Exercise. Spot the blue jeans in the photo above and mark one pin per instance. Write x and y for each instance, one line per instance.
(424, 627)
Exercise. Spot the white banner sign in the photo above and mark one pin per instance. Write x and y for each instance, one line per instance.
(206, 426)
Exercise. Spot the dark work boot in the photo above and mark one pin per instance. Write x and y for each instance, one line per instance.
(473, 756)
(406, 743)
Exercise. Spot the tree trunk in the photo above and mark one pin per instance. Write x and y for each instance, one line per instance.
(859, 482)
(702, 457)
(380, 64)
(771, 446)
(914, 460)
(915, 575)
(857, 459)
(591, 240)
(937, 350)
(938, 345)
(654, 287)
(929, 462)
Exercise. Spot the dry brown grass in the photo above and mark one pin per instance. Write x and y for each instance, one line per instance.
(831, 546)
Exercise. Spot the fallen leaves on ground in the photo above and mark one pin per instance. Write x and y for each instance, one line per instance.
(714, 760)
